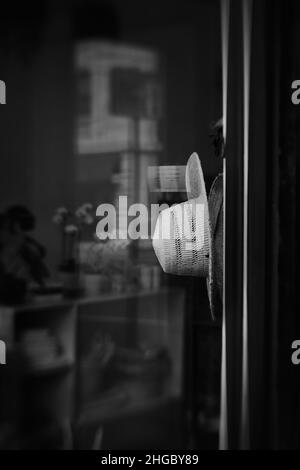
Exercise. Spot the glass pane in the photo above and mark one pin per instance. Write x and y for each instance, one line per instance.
(105, 349)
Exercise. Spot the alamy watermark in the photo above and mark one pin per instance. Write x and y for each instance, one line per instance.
(295, 358)
(2, 353)
(2, 92)
(295, 97)
(136, 221)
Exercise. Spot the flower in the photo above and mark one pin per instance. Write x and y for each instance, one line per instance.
(89, 220)
(79, 212)
(62, 211)
(60, 215)
(71, 228)
(87, 206)
(57, 219)
(83, 214)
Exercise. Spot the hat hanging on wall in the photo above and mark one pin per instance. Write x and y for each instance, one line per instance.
(182, 239)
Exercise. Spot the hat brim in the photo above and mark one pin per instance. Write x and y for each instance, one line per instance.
(196, 189)
(194, 180)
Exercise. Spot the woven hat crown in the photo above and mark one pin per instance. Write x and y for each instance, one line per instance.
(181, 238)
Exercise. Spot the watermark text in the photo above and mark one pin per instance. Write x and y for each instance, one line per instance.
(2, 353)
(2, 92)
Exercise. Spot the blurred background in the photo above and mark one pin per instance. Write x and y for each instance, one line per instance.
(104, 350)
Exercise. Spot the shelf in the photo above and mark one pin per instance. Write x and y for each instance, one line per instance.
(60, 365)
(69, 303)
(111, 297)
(51, 391)
(45, 305)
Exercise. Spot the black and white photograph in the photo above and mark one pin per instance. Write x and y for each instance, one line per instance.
(149, 207)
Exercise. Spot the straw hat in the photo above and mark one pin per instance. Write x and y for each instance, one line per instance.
(183, 239)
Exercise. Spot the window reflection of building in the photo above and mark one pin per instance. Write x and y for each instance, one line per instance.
(119, 111)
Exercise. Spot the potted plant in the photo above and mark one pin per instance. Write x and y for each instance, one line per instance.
(116, 260)
(94, 271)
(72, 226)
